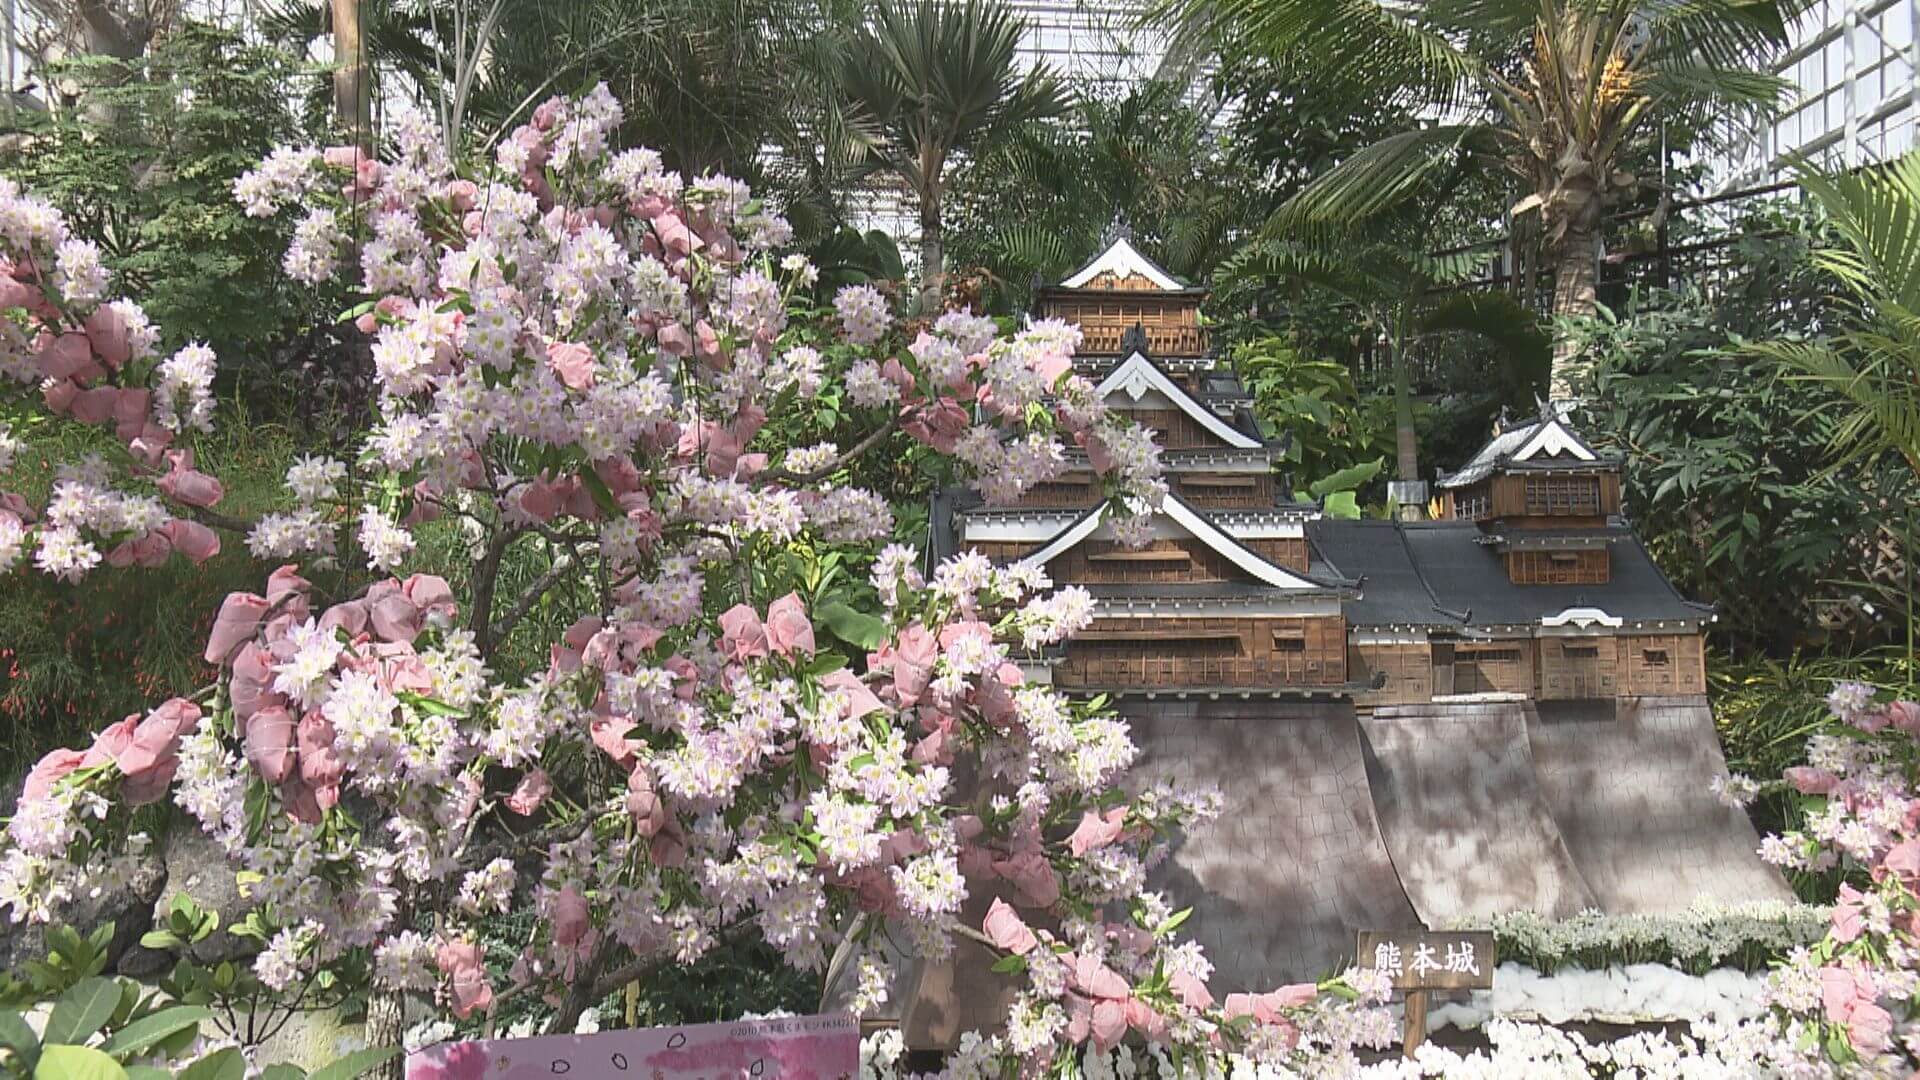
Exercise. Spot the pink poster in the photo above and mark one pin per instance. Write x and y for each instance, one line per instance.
(790, 1048)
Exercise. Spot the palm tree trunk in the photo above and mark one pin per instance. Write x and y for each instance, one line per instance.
(351, 102)
(932, 254)
(1576, 272)
(1405, 441)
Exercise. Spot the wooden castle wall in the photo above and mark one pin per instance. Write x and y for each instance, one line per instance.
(1289, 552)
(1663, 664)
(1171, 323)
(1559, 567)
(1483, 667)
(1175, 652)
(1174, 429)
(1225, 491)
(1577, 668)
(1408, 668)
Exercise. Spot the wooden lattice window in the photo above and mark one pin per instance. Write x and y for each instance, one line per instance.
(1473, 505)
(1580, 652)
(1563, 495)
(1290, 641)
(1489, 656)
(1654, 657)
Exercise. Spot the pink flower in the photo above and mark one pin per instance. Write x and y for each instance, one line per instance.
(392, 616)
(50, 770)
(1095, 979)
(251, 688)
(239, 618)
(107, 332)
(742, 635)
(1848, 997)
(150, 759)
(432, 595)
(184, 485)
(1033, 878)
(1145, 1019)
(1847, 918)
(320, 768)
(1007, 931)
(1109, 1024)
(532, 790)
(1096, 831)
(1905, 715)
(572, 919)
(573, 363)
(268, 743)
(192, 539)
(911, 659)
(1810, 781)
(649, 810)
(65, 356)
(860, 700)
(1903, 862)
(467, 975)
(1191, 991)
(788, 628)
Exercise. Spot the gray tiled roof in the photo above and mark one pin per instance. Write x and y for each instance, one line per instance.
(1440, 574)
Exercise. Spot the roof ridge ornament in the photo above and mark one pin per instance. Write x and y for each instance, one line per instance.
(1135, 340)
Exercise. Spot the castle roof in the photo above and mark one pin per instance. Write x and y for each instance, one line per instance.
(1547, 442)
(1443, 574)
(1121, 260)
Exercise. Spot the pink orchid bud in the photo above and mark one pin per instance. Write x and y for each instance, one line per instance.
(1190, 989)
(686, 677)
(573, 364)
(320, 767)
(186, 485)
(789, 631)
(620, 475)
(15, 504)
(530, 792)
(108, 333)
(251, 689)
(150, 759)
(60, 396)
(348, 615)
(1903, 861)
(67, 356)
(1096, 831)
(1007, 931)
(239, 618)
(1109, 1024)
(649, 810)
(95, 406)
(1034, 881)
(1810, 781)
(564, 658)
(743, 637)
(572, 919)
(433, 596)
(860, 700)
(609, 733)
(194, 540)
(674, 341)
(50, 770)
(286, 588)
(466, 972)
(15, 293)
(394, 617)
(150, 549)
(1848, 914)
(464, 195)
(269, 743)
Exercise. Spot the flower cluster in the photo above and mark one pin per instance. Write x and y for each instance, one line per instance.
(575, 352)
(1705, 936)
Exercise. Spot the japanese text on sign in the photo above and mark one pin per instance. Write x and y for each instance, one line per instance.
(1430, 960)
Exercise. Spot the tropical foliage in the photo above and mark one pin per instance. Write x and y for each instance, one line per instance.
(1555, 93)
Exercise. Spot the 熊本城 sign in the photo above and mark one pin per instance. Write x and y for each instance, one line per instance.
(1429, 960)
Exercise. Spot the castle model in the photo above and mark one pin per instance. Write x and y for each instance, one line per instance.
(1411, 723)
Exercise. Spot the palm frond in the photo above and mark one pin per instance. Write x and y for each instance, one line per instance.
(1373, 180)
(1877, 212)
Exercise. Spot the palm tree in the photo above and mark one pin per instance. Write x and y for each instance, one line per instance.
(1402, 296)
(930, 79)
(1872, 362)
(1039, 203)
(1556, 91)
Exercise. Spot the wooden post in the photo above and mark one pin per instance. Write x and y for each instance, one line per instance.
(1416, 1021)
(350, 90)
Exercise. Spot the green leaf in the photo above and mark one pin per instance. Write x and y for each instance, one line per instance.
(147, 1072)
(228, 1064)
(81, 1010)
(160, 939)
(1173, 922)
(17, 1036)
(1347, 479)
(1342, 504)
(427, 705)
(78, 1063)
(356, 1064)
(602, 494)
(1008, 965)
(283, 1071)
(853, 627)
(136, 1037)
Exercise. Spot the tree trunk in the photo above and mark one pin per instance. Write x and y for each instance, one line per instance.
(1405, 440)
(932, 255)
(351, 100)
(1576, 272)
(387, 1026)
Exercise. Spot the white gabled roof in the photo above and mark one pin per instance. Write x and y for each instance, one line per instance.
(1122, 260)
(1196, 525)
(1582, 617)
(1549, 437)
(1136, 375)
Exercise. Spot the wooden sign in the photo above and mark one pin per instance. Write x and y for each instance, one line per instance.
(789, 1048)
(1419, 961)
